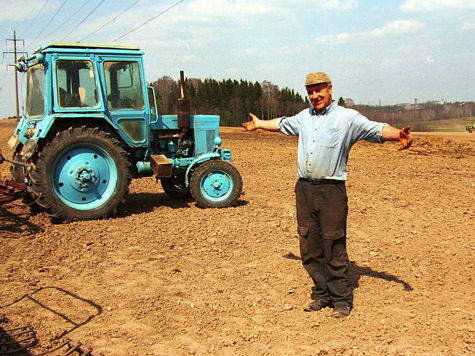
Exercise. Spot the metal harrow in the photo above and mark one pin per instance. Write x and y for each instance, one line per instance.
(18, 341)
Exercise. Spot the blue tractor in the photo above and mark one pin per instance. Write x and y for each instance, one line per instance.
(90, 125)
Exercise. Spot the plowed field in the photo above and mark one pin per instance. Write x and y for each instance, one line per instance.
(166, 277)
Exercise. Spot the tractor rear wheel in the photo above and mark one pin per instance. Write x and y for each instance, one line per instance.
(216, 184)
(81, 174)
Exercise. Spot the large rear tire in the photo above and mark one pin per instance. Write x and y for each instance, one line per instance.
(81, 174)
(216, 184)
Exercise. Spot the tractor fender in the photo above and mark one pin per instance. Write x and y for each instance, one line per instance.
(198, 160)
(74, 119)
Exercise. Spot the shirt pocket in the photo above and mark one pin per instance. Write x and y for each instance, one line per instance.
(329, 137)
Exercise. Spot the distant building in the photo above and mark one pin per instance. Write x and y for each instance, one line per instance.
(349, 102)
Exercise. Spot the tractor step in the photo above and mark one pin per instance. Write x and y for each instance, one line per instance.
(161, 166)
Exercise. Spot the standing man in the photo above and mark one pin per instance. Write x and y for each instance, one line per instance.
(326, 134)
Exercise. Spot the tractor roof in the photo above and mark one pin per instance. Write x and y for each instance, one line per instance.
(76, 46)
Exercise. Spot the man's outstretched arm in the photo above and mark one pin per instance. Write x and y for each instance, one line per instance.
(403, 136)
(256, 123)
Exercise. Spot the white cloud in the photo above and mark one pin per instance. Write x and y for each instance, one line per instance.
(248, 52)
(390, 28)
(338, 4)
(337, 39)
(391, 62)
(398, 27)
(468, 25)
(437, 5)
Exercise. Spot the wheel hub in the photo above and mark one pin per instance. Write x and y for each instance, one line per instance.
(83, 178)
(216, 185)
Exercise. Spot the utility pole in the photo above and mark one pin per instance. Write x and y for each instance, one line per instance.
(15, 40)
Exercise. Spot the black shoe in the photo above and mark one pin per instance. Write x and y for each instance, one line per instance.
(341, 311)
(316, 305)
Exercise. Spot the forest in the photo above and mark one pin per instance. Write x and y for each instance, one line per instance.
(234, 99)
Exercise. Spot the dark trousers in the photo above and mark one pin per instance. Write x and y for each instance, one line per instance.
(321, 215)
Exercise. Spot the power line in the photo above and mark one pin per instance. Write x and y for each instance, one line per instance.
(146, 22)
(56, 13)
(36, 17)
(15, 52)
(39, 13)
(69, 18)
(32, 11)
(108, 22)
(84, 19)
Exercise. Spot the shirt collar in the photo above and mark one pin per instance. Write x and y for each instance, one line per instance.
(326, 111)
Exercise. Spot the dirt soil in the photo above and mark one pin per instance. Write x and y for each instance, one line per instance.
(166, 277)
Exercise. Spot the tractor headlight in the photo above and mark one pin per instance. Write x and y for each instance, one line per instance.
(20, 67)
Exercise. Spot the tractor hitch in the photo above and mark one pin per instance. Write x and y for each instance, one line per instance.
(10, 190)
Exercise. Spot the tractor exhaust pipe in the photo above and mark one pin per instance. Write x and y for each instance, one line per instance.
(183, 105)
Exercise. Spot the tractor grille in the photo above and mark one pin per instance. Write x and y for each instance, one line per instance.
(210, 134)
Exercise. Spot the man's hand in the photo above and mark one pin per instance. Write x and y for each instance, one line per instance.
(405, 138)
(251, 125)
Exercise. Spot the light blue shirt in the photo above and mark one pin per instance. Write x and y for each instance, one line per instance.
(325, 139)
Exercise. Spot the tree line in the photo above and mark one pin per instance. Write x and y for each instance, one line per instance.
(233, 100)
(417, 115)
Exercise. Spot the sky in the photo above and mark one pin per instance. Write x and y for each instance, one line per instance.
(376, 52)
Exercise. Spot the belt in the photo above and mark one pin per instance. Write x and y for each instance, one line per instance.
(316, 181)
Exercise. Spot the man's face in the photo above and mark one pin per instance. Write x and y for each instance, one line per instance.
(320, 95)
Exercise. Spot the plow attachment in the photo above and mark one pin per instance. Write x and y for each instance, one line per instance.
(10, 190)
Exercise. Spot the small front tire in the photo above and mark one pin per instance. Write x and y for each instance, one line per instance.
(216, 184)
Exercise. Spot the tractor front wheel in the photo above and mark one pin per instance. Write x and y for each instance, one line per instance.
(81, 174)
(216, 184)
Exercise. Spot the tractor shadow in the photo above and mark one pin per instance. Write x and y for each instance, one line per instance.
(355, 273)
(13, 225)
(138, 203)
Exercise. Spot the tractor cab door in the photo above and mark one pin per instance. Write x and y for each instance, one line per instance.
(124, 95)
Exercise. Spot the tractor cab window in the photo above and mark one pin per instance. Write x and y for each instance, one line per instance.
(123, 85)
(76, 84)
(35, 89)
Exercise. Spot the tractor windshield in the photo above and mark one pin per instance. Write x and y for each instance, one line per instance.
(35, 89)
(123, 85)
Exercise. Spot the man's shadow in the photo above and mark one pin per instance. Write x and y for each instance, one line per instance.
(356, 272)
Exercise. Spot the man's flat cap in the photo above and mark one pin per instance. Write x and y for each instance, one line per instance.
(317, 78)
